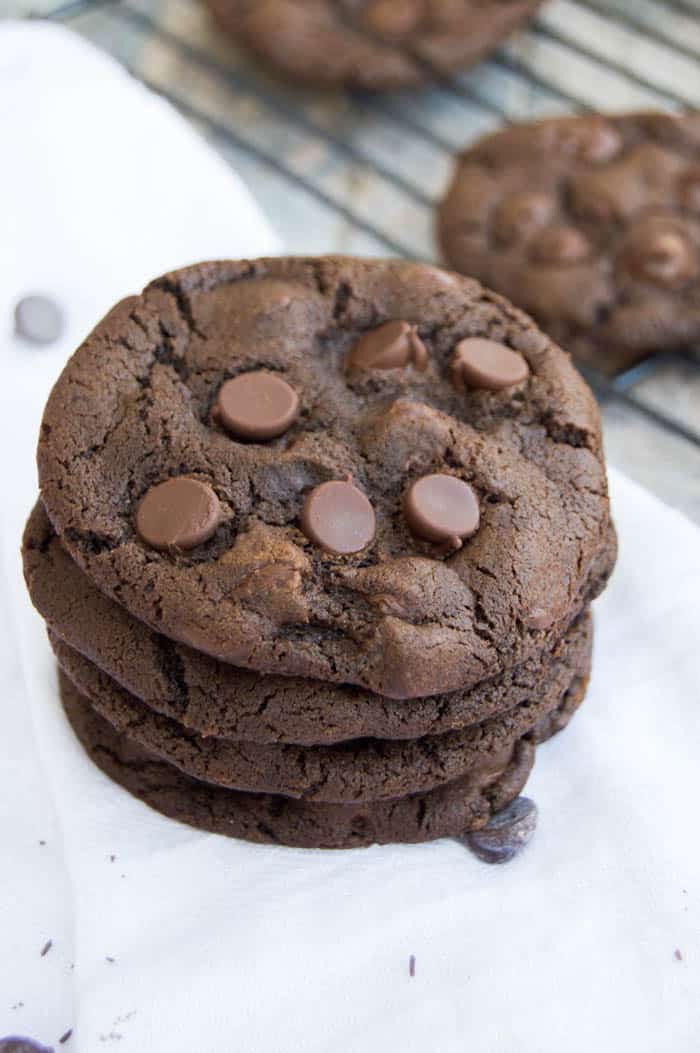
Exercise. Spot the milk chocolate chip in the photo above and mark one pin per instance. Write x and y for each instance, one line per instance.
(393, 345)
(338, 518)
(257, 406)
(481, 363)
(441, 508)
(180, 513)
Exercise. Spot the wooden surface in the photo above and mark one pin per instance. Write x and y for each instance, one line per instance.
(360, 174)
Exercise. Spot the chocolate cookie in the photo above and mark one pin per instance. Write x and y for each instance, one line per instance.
(361, 770)
(215, 699)
(375, 44)
(590, 223)
(449, 811)
(316, 552)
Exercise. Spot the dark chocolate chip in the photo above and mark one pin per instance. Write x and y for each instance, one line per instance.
(506, 833)
(38, 319)
(178, 514)
(257, 406)
(441, 508)
(393, 345)
(17, 1044)
(338, 518)
(481, 363)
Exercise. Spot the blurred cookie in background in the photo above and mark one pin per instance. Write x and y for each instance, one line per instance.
(373, 44)
(591, 224)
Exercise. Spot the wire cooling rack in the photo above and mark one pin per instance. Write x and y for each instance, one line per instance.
(361, 173)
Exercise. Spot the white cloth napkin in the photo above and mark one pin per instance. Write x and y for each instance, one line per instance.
(220, 945)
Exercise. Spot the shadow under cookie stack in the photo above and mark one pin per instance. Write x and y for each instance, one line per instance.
(316, 546)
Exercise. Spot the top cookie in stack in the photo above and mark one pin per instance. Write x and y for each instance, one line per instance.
(368, 497)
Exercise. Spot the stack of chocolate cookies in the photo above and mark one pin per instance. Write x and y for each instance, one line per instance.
(316, 545)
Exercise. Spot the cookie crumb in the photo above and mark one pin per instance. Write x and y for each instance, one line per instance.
(412, 965)
(678, 955)
(46, 948)
(64, 1037)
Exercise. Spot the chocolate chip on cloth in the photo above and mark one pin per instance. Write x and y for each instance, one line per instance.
(375, 44)
(136, 408)
(214, 699)
(462, 805)
(590, 223)
(506, 833)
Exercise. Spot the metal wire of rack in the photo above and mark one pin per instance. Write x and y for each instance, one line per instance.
(576, 56)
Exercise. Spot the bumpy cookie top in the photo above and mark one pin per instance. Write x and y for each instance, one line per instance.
(590, 223)
(415, 521)
(371, 43)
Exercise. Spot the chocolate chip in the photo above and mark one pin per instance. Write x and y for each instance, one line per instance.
(661, 255)
(257, 406)
(17, 1044)
(481, 363)
(559, 245)
(38, 319)
(506, 833)
(441, 508)
(178, 514)
(393, 345)
(521, 214)
(338, 518)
